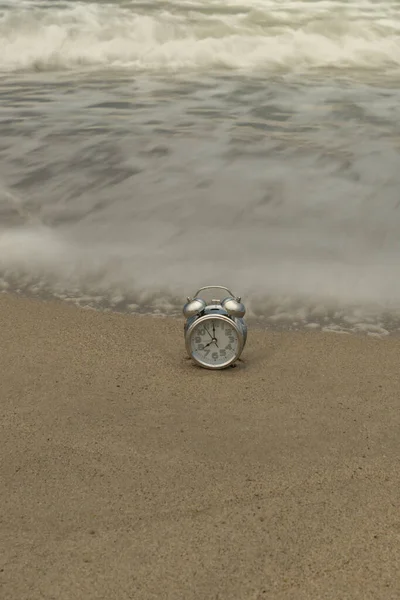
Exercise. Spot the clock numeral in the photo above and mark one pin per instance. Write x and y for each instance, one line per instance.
(214, 355)
(207, 352)
(202, 331)
(197, 339)
(228, 347)
(200, 347)
(222, 352)
(231, 339)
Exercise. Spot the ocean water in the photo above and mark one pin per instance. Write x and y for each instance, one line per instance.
(148, 148)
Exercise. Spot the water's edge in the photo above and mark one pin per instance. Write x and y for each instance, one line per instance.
(254, 323)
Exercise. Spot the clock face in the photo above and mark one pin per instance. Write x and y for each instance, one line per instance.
(214, 342)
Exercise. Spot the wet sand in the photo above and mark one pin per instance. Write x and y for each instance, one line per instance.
(128, 473)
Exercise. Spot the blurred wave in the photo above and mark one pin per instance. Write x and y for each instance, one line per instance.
(170, 36)
(148, 148)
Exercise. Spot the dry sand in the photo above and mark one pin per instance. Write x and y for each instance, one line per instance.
(126, 472)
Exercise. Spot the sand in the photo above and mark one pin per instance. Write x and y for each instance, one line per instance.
(127, 472)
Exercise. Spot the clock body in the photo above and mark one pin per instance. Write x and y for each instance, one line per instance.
(214, 339)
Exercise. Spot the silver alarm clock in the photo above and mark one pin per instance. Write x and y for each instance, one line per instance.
(215, 332)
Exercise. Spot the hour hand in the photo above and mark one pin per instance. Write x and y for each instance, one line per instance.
(213, 341)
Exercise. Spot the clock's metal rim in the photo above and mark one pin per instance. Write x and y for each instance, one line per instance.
(209, 317)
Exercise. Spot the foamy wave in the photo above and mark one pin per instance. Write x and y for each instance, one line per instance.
(36, 260)
(243, 35)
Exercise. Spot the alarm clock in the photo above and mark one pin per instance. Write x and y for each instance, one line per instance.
(215, 332)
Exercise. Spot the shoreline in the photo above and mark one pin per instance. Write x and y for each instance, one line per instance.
(130, 473)
(388, 327)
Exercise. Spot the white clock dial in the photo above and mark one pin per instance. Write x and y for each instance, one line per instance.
(214, 342)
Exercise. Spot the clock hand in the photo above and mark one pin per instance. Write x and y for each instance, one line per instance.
(213, 341)
(208, 332)
(214, 338)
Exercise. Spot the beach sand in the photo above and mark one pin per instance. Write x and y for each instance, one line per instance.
(127, 472)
